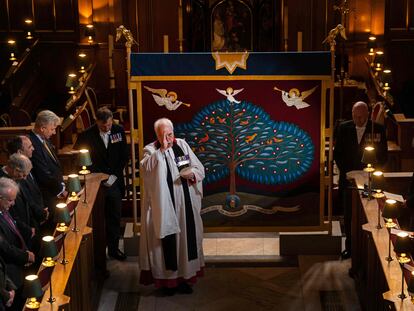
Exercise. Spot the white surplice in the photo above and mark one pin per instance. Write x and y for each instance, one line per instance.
(158, 217)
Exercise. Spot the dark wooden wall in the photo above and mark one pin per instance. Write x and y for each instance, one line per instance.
(399, 49)
(149, 20)
(52, 19)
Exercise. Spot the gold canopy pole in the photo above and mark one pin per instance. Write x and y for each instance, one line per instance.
(330, 39)
(121, 31)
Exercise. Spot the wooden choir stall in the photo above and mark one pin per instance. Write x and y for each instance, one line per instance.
(77, 284)
(379, 282)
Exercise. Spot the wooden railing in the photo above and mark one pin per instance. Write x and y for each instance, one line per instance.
(20, 85)
(76, 285)
(15, 69)
(378, 282)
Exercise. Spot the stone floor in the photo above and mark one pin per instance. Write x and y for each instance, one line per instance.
(241, 274)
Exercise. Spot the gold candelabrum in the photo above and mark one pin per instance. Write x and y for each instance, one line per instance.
(402, 247)
(377, 184)
(49, 251)
(74, 187)
(390, 212)
(32, 290)
(369, 159)
(84, 162)
(62, 219)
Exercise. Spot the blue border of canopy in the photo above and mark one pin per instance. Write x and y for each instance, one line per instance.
(203, 64)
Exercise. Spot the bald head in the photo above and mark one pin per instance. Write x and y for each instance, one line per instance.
(164, 129)
(360, 113)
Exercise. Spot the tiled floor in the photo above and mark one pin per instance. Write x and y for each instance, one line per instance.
(225, 287)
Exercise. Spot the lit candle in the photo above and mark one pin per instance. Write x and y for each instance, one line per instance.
(165, 43)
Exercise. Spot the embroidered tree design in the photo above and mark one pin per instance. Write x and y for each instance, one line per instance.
(231, 138)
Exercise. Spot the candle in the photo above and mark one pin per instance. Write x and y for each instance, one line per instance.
(299, 41)
(165, 43)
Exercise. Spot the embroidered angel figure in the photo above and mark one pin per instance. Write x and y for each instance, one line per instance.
(164, 98)
(295, 98)
(229, 93)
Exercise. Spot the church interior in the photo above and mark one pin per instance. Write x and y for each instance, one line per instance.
(263, 75)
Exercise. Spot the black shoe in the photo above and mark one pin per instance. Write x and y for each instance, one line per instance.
(118, 255)
(184, 288)
(168, 291)
(345, 254)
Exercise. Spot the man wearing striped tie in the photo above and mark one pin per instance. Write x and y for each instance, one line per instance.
(46, 167)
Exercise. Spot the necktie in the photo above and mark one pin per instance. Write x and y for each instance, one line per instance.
(48, 150)
(12, 226)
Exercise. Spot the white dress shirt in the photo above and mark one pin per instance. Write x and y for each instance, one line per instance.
(105, 138)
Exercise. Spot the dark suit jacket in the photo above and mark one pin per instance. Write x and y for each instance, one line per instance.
(21, 210)
(111, 160)
(5, 285)
(347, 151)
(32, 193)
(46, 170)
(10, 249)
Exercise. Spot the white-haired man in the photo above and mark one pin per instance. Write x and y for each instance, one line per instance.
(14, 239)
(46, 166)
(17, 168)
(23, 145)
(171, 253)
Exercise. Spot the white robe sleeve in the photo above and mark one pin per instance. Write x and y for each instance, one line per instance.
(157, 199)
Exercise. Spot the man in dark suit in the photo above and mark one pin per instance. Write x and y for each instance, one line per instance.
(46, 167)
(7, 287)
(107, 145)
(22, 145)
(350, 140)
(14, 239)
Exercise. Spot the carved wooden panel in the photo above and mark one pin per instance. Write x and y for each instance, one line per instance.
(49, 17)
(18, 11)
(4, 18)
(65, 18)
(398, 14)
(44, 17)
